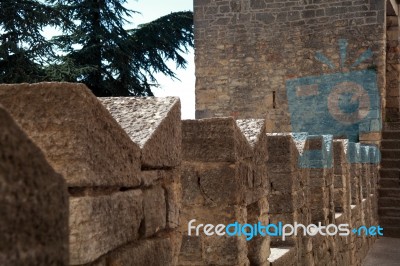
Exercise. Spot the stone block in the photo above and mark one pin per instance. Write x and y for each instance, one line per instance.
(259, 246)
(100, 224)
(75, 132)
(225, 250)
(283, 149)
(213, 183)
(150, 178)
(33, 200)
(153, 251)
(284, 182)
(211, 215)
(282, 256)
(191, 193)
(152, 123)
(154, 211)
(173, 196)
(286, 203)
(191, 251)
(213, 140)
(254, 131)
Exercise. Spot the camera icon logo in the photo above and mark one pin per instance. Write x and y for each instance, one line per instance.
(342, 104)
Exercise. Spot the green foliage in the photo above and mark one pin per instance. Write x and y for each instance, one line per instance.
(23, 48)
(113, 61)
(94, 48)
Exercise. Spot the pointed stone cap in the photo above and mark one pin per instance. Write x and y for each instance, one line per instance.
(154, 124)
(33, 200)
(79, 137)
(214, 140)
(254, 132)
(252, 129)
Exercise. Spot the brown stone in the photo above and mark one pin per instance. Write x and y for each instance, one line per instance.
(173, 196)
(225, 250)
(154, 124)
(101, 224)
(79, 137)
(254, 131)
(155, 211)
(154, 251)
(33, 200)
(213, 140)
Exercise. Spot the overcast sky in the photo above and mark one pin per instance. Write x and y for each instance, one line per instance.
(153, 9)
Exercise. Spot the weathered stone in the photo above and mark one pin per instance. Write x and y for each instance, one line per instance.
(153, 251)
(225, 250)
(286, 203)
(259, 246)
(101, 224)
(75, 132)
(191, 193)
(154, 124)
(191, 250)
(213, 183)
(149, 178)
(212, 215)
(213, 140)
(173, 196)
(155, 211)
(33, 200)
(284, 256)
(254, 131)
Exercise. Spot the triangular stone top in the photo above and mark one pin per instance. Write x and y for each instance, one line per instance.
(79, 137)
(139, 117)
(252, 129)
(154, 124)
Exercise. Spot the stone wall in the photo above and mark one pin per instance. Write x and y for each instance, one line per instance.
(392, 69)
(224, 179)
(122, 174)
(247, 51)
(33, 200)
(137, 175)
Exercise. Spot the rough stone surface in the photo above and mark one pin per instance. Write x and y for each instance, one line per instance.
(254, 131)
(154, 251)
(282, 256)
(155, 211)
(101, 224)
(79, 137)
(33, 200)
(246, 51)
(213, 140)
(153, 123)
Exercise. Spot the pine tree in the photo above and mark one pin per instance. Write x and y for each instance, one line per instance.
(113, 61)
(23, 49)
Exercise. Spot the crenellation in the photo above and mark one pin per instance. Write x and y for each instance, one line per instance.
(141, 187)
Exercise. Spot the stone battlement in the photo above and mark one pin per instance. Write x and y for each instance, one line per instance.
(134, 175)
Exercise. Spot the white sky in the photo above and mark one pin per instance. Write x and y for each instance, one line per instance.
(183, 88)
(153, 9)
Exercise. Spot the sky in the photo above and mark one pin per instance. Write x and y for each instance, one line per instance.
(184, 88)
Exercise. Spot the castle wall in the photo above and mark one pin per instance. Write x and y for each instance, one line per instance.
(137, 175)
(34, 202)
(247, 50)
